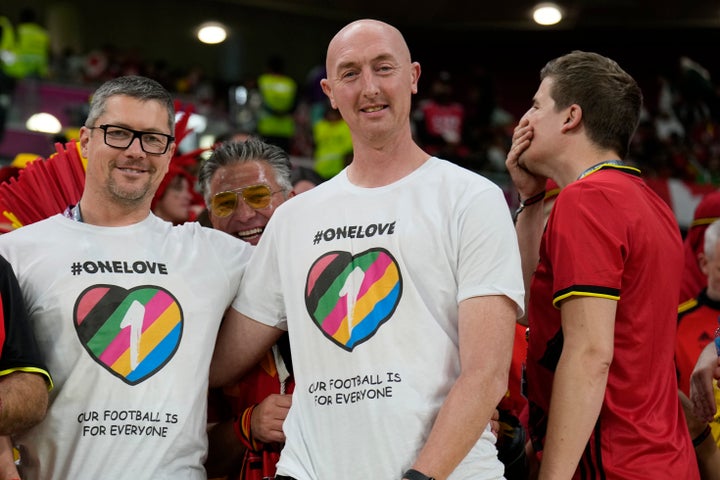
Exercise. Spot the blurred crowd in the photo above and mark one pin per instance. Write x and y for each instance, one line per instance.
(274, 136)
(458, 115)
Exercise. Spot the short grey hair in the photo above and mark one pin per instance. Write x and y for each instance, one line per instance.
(253, 149)
(134, 86)
(712, 235)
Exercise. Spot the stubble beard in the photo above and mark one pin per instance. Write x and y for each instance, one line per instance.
(128, 196)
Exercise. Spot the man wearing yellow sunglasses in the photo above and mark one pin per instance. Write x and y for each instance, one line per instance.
(243, 183)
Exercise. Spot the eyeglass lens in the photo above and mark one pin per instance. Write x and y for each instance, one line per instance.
(150, 142)
(256, 196)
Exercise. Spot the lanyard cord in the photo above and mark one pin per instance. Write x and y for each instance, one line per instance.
(598, 166)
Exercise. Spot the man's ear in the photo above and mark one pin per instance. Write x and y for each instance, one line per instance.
(84, 137)
(416, 70)
(327, 90)
(703, 263)
(572, 118)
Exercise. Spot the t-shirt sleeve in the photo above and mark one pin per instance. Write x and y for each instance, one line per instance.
(19, 348)
(489, 255)
(586, 251)
(260, 294)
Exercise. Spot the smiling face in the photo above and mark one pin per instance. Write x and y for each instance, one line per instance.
(125, 176)
(371, 79)
(245, 222)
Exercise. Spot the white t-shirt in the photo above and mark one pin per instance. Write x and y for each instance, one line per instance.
(367, 281)
(126, 318)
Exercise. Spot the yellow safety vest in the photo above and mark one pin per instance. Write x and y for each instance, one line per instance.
(333, 143)
(278, 94)
(29, 54)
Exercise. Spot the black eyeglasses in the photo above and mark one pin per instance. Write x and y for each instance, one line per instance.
(153, 143)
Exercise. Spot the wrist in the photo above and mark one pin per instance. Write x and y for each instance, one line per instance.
(531, 200)
(697, 441)
(243, 430)
(412, 474)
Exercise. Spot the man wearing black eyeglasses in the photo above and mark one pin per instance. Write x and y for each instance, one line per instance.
(125, 306)
(243, 183)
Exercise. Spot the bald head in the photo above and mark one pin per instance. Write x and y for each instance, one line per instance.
(367, 30)
(371, 80)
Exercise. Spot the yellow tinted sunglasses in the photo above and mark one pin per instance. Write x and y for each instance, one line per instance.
(258, 196)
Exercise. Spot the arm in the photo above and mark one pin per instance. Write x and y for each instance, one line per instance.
(24, 380)
(529, 227)
(578, 390)
(531, 222)
(8, 470)
(706, 451)
(23, 401)
(240, 344)
(225, 451)
(485, 332)
(706, 369)
(708, 458)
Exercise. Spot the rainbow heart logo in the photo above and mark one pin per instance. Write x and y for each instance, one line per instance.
(132, 333)
(350, 297)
